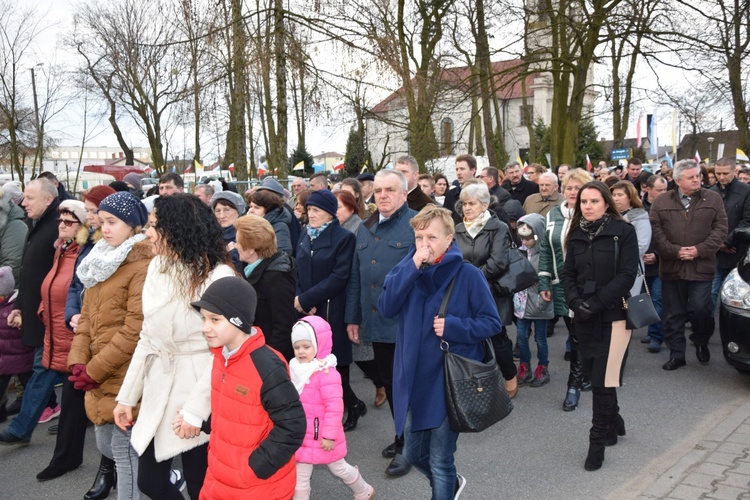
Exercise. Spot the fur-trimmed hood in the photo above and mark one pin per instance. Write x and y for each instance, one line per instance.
(85, 235)
(8, 209)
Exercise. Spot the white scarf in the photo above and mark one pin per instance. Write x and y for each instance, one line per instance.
(103, 260)
(475, 227)
(301, 372)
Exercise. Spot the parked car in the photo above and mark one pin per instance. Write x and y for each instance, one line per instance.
(147, 183)
(734, 313)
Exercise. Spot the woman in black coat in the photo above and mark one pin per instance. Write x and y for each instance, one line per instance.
(274, 277)
(600, 268)
(324, 261)
(485, 242)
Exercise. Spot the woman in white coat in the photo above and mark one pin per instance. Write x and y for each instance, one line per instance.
(171, 367)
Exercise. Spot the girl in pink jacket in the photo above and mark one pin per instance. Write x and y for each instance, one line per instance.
(314, 374)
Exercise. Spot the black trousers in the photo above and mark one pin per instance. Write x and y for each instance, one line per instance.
(370, 369)
(684, 300)
(384, 354)
(71, 433)
(504, 354)
(153, 476)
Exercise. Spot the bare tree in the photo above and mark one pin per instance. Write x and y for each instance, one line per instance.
(18, 30)
(125, 44)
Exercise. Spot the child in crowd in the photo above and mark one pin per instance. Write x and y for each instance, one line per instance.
(257, 422)
(315, 377)
(530, 308)
(15, 358)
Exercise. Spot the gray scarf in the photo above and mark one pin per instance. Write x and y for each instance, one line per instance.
(104, 260)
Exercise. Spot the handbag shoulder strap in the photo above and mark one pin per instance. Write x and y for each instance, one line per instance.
(446, 297)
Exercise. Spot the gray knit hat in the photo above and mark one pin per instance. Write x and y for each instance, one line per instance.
(7, 283)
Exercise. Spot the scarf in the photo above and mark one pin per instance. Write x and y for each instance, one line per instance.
(592, 228)
(475, 227)
(301, 372)
(104, 260)
(251, 267)
(314, 232)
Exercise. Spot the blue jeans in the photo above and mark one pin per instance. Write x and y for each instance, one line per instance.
(35, 397)
(431, 452)
(719, 277)
(540, 335)
(654, 287)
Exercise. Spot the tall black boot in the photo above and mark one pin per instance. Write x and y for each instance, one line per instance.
(105, 480)
(616, 425)
(604, 403)
(356, 411)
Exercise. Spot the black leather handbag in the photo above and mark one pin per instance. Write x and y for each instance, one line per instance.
(520, 274)
(474, 390)
(640, 308)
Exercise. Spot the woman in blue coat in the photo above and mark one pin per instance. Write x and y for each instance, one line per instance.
(414, 290)
(324, 263)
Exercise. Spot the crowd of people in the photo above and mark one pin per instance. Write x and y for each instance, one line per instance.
(222, 328)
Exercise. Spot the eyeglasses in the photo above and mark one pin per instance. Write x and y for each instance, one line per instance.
(68, 223)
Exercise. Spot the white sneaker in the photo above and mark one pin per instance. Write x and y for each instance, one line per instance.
(175, 477)
(461, 486)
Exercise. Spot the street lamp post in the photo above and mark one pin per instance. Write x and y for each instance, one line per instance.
(710, 148)
(39, 130)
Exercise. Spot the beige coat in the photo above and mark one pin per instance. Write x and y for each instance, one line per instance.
(171, 366)
(108, 331)
(534, 203)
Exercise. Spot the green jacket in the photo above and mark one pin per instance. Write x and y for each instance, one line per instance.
(13, 231)
(552, 256)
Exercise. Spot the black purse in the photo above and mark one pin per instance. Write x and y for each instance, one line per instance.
(640, 308)
(475, 392)
(520, 274)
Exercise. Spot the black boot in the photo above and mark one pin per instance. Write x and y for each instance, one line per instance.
(616, 428)
(105, 480)
(356, 411)
(571, 399)
(604, 404)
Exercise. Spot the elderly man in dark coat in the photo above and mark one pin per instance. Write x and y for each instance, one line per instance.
(40, 202)
(688, 225)
(383, 240)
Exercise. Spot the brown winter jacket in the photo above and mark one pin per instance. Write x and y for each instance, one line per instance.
(57, 336)
(108, 331)
(704, 226)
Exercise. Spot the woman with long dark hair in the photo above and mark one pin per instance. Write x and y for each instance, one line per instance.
(170, 369)
(600, 267)
(108, 329)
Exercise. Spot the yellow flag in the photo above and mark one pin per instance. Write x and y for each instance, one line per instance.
(364, 167)
(197, 167)
(300, 165)
(741, 155)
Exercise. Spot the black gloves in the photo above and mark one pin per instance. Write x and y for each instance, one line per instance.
(584, 310)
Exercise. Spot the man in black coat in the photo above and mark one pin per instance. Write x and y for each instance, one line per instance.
(40, 202)
(466, 168)
(491, 177)
(518, 187)
(736, 197)
(416, 199)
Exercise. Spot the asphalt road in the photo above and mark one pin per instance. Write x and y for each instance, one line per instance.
(537, 452)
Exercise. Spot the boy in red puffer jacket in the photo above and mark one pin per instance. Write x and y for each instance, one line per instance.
(257, 421)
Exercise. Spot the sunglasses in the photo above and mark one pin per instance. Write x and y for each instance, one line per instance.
(68, 223)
